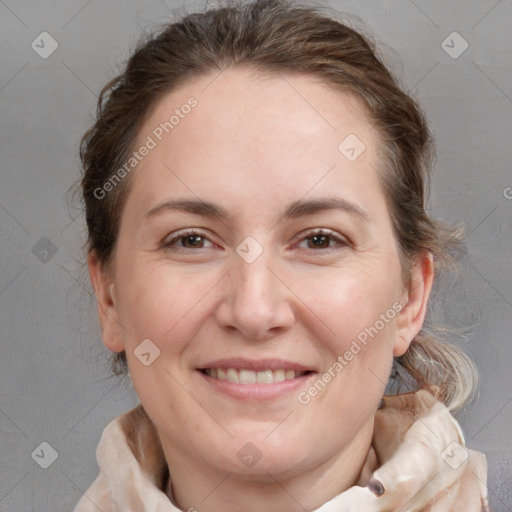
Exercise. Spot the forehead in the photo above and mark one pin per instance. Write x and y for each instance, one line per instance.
(249, 130)
(261, 101)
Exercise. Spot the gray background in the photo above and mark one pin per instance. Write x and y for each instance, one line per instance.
(55, 380)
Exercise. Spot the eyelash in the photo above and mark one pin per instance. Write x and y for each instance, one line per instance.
(342, 242)
(169, 244)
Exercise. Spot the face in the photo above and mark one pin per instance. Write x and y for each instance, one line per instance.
(256, 253)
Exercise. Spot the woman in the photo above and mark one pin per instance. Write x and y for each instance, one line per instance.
(261, 255)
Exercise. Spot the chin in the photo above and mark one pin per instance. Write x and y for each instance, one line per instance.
(252, 457)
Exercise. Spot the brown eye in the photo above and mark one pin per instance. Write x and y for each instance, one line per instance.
(322, 239)
(187, 240)
(319, 241)
(192, 241)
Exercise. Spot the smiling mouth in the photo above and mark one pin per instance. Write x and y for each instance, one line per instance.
(242, 376)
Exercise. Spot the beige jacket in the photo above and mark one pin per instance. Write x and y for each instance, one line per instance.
(417, 463)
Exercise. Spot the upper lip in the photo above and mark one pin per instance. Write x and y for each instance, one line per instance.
(256, 365)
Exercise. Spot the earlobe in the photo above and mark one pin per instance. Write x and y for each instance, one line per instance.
(104, 290)
(415, 303)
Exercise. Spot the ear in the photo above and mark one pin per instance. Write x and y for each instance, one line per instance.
(415, 301)
(103, 285)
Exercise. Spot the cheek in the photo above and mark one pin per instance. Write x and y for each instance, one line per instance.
(163, 304)
(352, 306)
(360, 311)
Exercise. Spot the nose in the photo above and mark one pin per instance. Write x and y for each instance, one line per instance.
(257, 301)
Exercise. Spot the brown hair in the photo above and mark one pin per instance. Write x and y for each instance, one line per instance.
(278, 37)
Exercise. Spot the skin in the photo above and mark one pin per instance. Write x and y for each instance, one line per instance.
(253, 145)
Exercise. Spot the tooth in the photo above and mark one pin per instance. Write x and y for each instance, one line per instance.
(265, 377)
(247, 377)
(252, 377)
(232, 375)
(279, 375)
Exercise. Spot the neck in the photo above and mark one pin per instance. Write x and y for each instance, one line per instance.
(196, 486)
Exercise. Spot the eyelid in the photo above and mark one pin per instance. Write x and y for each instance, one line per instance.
(342, 241)
(172, 238)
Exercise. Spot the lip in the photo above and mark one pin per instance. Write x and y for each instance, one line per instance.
(256, 392)
(256, 365)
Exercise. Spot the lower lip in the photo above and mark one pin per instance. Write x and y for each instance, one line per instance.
(256, 392)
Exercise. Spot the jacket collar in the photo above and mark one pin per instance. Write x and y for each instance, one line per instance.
(418, 461)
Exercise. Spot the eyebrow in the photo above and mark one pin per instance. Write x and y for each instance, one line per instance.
(302, 207)
(195, 206)
(294, 210)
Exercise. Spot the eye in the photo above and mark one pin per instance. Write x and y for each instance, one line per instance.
(190, 239)
(323, 239)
